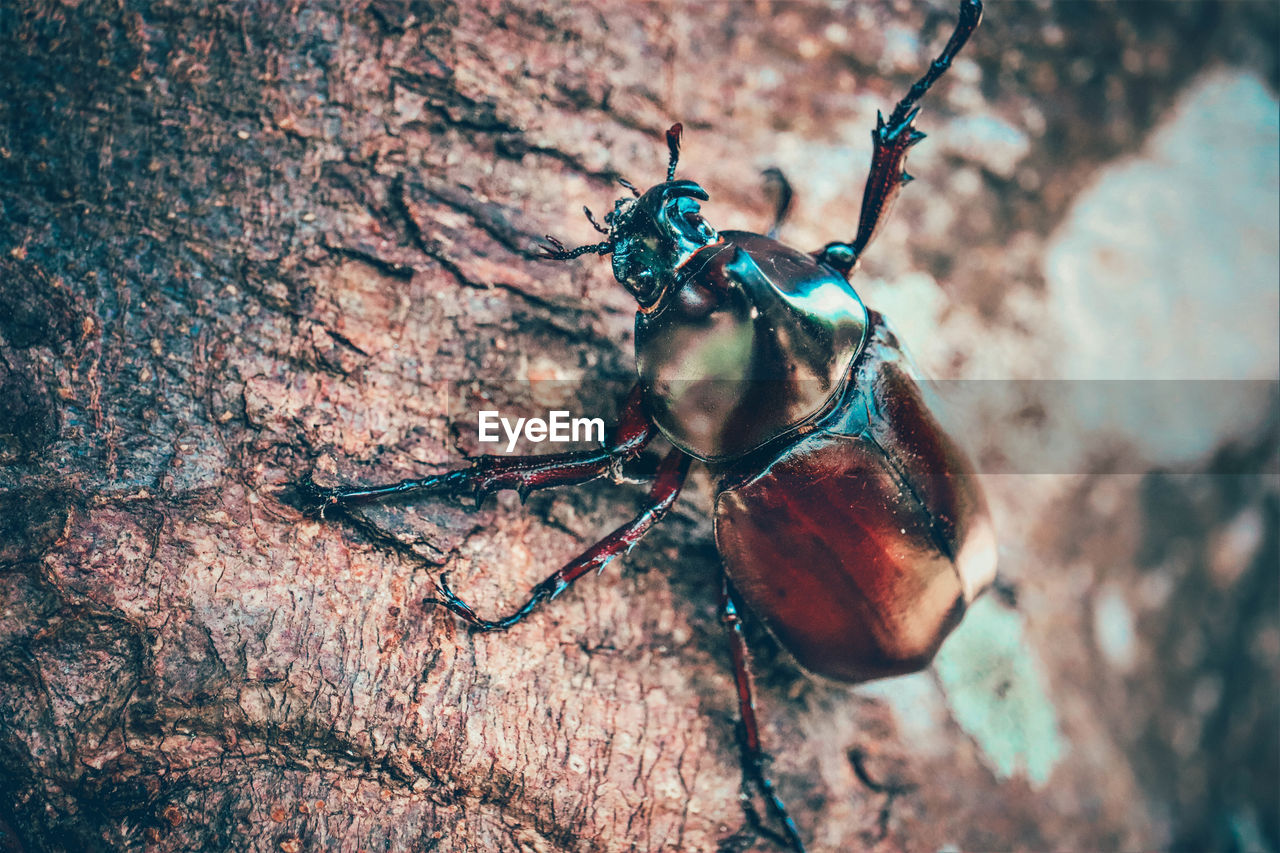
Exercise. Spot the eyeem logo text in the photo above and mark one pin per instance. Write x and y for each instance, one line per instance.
(558, 427)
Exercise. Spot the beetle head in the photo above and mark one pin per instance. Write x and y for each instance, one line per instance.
(656, 235)
(652, 235)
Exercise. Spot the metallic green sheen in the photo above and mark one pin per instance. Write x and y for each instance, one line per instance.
(753, 341)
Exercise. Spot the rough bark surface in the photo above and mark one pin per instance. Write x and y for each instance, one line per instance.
(243, 243)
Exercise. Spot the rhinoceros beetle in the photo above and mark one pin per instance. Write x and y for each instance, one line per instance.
(847, 519)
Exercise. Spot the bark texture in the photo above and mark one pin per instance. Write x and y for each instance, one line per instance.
(241, 243)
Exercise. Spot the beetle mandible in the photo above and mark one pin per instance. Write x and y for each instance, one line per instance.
(848, 521)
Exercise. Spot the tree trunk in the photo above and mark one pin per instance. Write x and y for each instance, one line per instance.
(243, 245)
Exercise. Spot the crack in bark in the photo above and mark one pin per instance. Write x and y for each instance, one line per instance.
(485, 215)
(403, 272)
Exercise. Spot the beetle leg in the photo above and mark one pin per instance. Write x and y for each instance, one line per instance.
(753, 757)
(525, 474)
(780, 188)
(666, 487)
(891, 141)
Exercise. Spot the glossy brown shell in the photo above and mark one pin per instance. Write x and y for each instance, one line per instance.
(861, 542)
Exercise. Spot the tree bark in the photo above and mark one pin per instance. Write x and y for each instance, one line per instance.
(245, 244)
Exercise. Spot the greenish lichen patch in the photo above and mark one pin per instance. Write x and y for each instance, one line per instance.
(999, 695)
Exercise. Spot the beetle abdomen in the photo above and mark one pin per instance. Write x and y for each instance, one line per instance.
(861, 543)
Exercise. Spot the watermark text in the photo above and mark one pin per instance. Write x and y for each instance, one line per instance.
(558, 427)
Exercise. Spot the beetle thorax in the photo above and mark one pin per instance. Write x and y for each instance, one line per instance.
(751, 341)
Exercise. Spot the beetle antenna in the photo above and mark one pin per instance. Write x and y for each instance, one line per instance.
(592, 220)
(635, 192)
(673, 146)
(558, 251)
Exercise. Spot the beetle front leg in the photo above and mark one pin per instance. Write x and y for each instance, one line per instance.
(753, 757)
(525, 474)
(891, 141)
(666, 488)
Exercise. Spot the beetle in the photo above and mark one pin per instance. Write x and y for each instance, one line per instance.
(848, 521)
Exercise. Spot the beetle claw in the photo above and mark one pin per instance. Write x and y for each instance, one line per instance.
(449, 600)
(556, 248)
(315, 500)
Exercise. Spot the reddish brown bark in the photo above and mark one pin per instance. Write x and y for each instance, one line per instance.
(243, 243)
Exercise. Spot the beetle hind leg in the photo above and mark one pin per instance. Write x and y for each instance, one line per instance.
(753, 757)
(891, 140)
(666, 488)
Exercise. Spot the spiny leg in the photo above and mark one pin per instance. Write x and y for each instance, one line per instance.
(666, 487)
(779, 188)
(753, 757)
(891, 142)
(525, 474)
